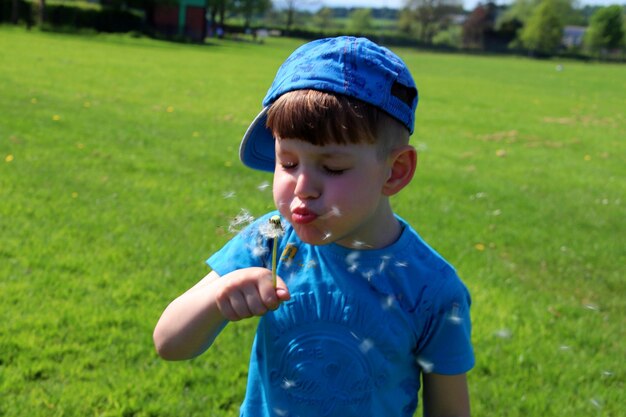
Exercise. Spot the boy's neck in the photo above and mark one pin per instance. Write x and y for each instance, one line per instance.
(385, 231)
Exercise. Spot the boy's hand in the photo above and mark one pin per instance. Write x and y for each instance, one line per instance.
(249, 292)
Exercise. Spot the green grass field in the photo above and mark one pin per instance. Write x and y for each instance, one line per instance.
(119, 176)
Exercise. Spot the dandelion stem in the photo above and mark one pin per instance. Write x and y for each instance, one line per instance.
(275, 249)
(278, 229)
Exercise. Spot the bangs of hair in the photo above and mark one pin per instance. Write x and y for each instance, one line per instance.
(321, 118)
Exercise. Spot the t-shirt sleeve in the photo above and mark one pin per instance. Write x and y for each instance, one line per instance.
(446, 346)
(247, 249)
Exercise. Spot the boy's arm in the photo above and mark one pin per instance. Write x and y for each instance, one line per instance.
(191, 322)
(445, 395)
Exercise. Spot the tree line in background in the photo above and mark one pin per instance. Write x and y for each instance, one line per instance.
(538, 27)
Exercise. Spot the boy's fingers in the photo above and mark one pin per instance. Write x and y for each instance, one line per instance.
(254, 301)
(239, 306)
(282, 292)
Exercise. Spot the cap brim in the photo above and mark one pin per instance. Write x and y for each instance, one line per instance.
(257, 146)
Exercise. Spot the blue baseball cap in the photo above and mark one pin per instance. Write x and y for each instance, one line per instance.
(354, 67)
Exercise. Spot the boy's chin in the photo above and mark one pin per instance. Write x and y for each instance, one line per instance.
(313, 237)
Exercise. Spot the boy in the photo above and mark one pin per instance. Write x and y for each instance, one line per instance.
(362, 307)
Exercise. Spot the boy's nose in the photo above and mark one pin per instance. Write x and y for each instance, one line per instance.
(306, 186)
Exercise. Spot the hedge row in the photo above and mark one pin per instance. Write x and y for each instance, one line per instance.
(101, 20)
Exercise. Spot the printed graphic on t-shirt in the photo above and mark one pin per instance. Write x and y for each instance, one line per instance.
(330, 354)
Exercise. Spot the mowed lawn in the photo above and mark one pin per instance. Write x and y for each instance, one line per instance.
(119, 176)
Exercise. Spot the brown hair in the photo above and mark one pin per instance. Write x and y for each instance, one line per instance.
(321, 118)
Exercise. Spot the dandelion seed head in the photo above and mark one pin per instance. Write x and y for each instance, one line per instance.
(272, 229)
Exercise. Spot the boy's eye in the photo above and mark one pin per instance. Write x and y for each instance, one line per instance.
(334, 171)
(288, 165)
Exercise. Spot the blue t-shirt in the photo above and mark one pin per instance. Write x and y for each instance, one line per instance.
(359, 328)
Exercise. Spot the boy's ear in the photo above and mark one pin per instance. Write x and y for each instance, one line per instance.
(403, 162)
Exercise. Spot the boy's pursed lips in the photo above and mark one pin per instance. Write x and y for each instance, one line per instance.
(303, 215)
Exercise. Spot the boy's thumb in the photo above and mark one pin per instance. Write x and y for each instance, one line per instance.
(282, 292)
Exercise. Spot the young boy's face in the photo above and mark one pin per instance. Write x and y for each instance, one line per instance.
(331, 193)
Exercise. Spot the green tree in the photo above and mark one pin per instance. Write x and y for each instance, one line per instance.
(520, 12)
(249, 8)
(361, 21)
(430, 17)
(324, 18)
(606, 29)
(543, 31)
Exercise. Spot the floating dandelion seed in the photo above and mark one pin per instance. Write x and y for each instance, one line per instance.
(387, 302)
(280, 412)
(359, 244)
(327, 236)
(426, 365)
(278, 231)
(259, 250)
(263, 186)
(401, 264)
(240, 221)
(384, 263)
(597, 403)
(334, 212)
(229, 194)
(366, 345)
(503, 333)
(351, 260)
(287, 384)
(368, 275)
(454, 316)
